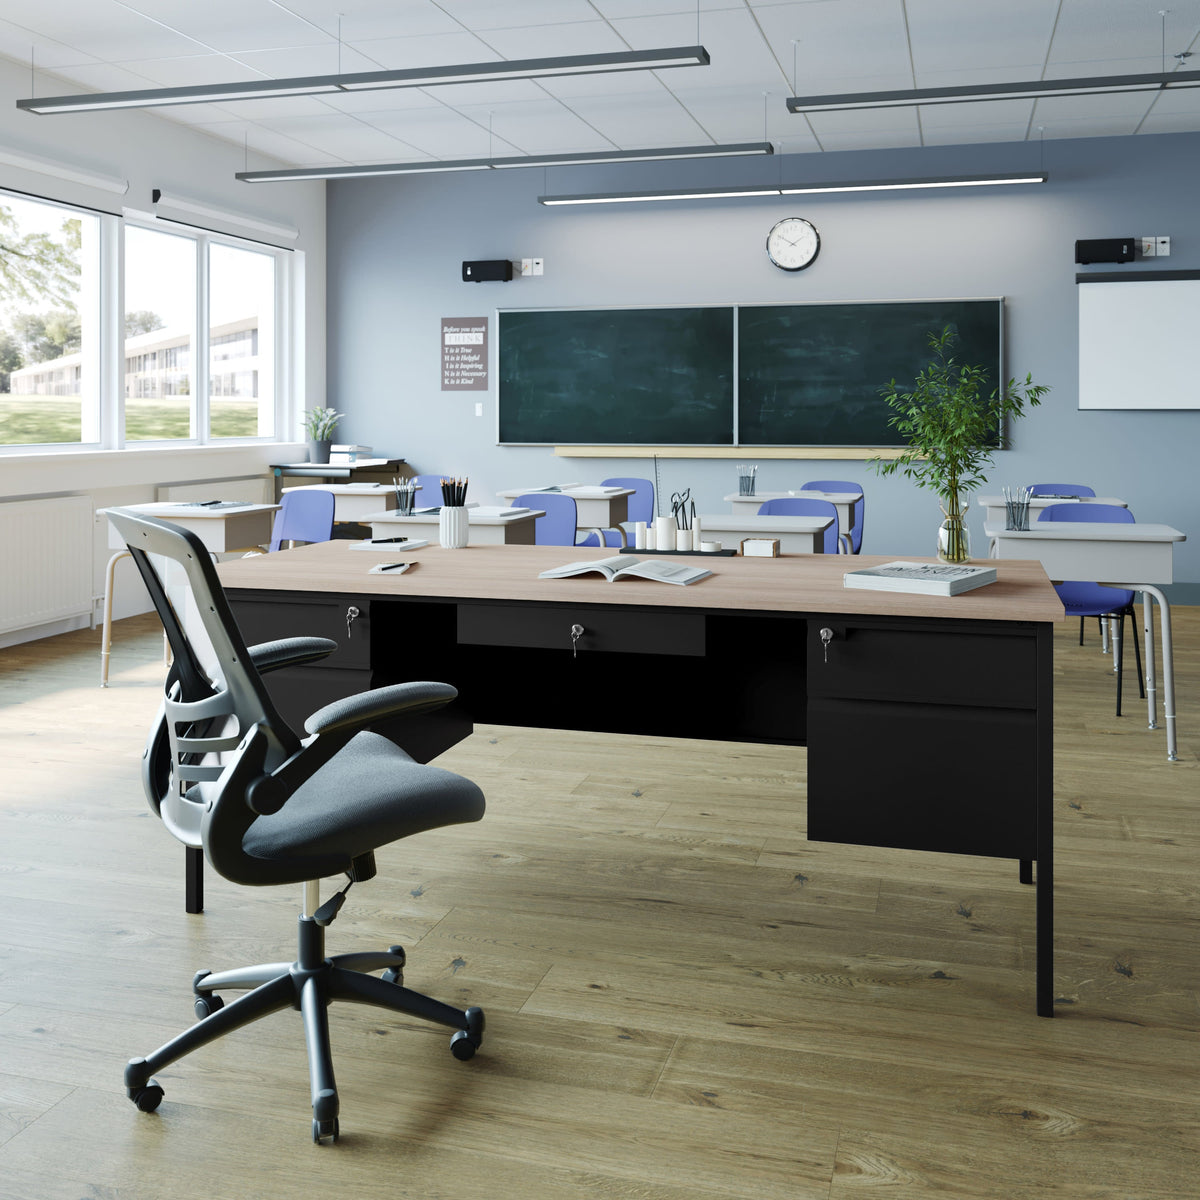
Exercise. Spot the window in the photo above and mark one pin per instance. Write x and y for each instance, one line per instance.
(241, 342)
(49, 323)
(196, 356)
(160, 334)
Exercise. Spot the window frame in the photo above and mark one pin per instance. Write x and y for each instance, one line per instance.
(108, 417)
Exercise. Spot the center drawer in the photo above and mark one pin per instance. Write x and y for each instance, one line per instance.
(607, 630)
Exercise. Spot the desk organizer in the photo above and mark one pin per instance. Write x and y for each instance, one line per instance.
(682, 553)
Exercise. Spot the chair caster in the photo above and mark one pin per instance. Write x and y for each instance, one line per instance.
(147, 1098)
(205, 1006)
(466, 1041)
(395, 974)
(206, 1003)
(325, 1129)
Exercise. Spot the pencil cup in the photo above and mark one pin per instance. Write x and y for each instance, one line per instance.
(452, 527)
(404, 500)
(683, 539)
(664, 533)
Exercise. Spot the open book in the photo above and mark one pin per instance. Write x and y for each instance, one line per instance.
(622, 567)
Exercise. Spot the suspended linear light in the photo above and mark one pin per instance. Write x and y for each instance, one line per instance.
(484, 164)
(877, 185)
(315, 85)
(973, 93)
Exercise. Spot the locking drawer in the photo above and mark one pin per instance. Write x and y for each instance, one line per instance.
(922, 665)
(605, 630)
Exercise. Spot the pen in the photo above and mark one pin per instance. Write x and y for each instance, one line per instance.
(393, 566)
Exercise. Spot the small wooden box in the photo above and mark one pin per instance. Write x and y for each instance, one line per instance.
(760, 547)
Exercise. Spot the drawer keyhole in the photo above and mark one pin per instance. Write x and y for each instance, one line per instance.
(826, 638)
(352, 615)
(576, 634)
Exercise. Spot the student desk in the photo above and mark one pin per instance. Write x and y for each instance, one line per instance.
(352, 502)
(1110, 552)
(796, 535)
(483, 528)
(844, 502)
(596, 507)
(928, 720)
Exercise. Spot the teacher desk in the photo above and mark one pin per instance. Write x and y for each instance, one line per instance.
(928, 720)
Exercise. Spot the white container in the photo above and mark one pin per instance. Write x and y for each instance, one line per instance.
(664, 533)
(710, 547)
(639, 535)
(683, 539)
(453, 530)
(697, 540)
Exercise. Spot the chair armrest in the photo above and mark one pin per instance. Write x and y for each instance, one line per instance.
(289, 652)
(354, 712)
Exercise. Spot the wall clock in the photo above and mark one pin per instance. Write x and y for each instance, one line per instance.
(793, 243)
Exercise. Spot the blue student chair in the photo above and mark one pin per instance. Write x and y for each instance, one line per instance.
(557, 527)
(641, 508)
(430, 494)
(1093, 599)
(1060, 489)
(800, 506)
(844, 485)
(304, 516)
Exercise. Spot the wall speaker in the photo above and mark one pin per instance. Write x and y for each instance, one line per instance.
(491, 270)
(1104, 250)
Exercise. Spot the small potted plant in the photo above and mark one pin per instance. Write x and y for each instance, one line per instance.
(951, 427)
(319, 424)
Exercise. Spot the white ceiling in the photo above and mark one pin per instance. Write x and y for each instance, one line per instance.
(762, 52)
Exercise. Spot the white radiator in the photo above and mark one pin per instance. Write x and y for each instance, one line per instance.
(45, 561)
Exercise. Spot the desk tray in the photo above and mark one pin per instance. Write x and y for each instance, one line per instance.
(682, 553)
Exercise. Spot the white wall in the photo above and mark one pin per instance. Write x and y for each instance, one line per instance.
(152, 152)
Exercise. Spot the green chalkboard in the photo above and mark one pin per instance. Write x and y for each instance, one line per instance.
(612, 376)
(810, 374)
(806, 374)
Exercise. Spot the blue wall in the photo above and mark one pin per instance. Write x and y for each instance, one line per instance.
(396, 247)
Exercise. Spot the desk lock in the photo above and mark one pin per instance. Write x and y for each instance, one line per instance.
(827, 636)
(352, 615)
(577, 631)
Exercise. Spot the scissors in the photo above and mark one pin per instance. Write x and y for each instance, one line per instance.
(679, 502)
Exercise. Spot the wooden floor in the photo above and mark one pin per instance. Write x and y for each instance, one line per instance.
(685, 999)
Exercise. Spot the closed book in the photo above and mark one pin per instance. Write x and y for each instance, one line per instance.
(931, 579)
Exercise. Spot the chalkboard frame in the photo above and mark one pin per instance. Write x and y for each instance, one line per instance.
(734, 441)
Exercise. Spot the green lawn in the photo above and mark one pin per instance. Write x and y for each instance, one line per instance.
(33, 420)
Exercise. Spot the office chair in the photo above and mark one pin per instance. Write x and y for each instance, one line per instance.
(275, 808)
(1093, 599)
(304, 516)
(854, 534)
(799, 506)
(641, 508)
(557, 527)
(1060, 489)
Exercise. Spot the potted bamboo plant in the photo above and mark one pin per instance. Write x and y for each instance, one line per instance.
(951, 428)
(319, 424)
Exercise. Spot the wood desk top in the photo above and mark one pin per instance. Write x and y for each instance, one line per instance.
(795, 583)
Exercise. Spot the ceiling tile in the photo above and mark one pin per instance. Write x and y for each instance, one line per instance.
(432, 50)
(371, 19)
(1009, 39)
(488, 14)
(546, 41)
(640, 121)
(228, 25)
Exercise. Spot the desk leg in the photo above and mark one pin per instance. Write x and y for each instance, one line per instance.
(1045, 933)
(106, 635)
(1168, 662)
(1148, 637)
